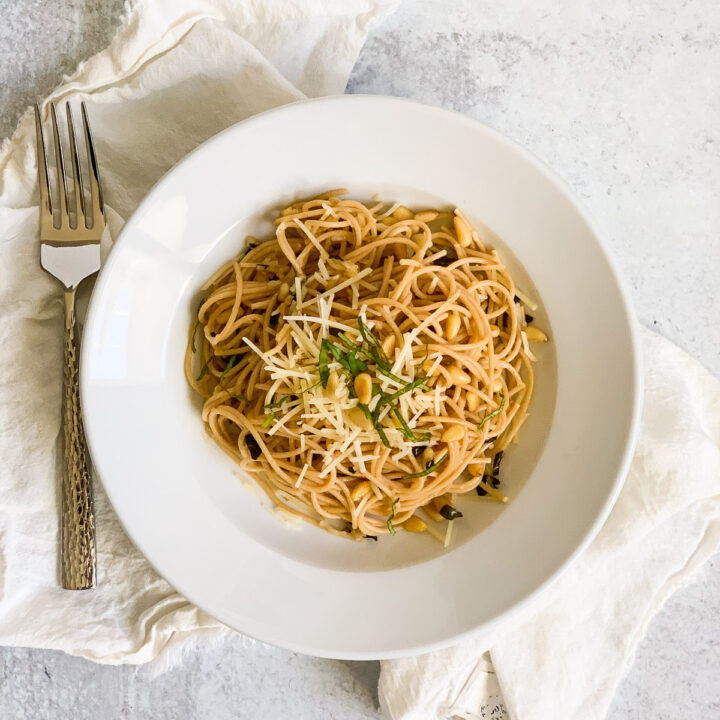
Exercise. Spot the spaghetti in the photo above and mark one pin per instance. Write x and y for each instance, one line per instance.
(360, 361)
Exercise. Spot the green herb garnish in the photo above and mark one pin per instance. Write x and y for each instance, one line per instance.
(194, 333)
(387, 373)
(427, 470)
(386, 399)
(349, 342)
(373, 417)
(409, 387)
(230, 366)
(285, 398)
(390, 519)
(493, 413)
(375, 352)
(354, 366)
(269, 421)
(370, 349)
(203, 370)
(348, 360)
(372, 341)
(323, 363)
(405, 428)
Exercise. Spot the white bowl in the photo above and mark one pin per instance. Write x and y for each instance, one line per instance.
(185, 504)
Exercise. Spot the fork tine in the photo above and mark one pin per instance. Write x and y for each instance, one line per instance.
(64, 219)
(77, 176)
(96, 195)
(45, 197)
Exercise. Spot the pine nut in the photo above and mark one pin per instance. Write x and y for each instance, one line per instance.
(438, 502)
(458, 376)
(428, 455)
(473, 401)
(431, 512)
(476, 468)
(418, 238)
(360, 490)
(402, 213)
(414, 524)
(363, 388)
(453, 434)
(283, 291)
(494, 330)
(388, 344)
(452, 325)
(359, 418)
(332, 382)
(463, 232)
(497, 385)
(426, 216)
(535, 334)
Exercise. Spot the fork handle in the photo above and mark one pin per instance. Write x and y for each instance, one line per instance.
(78, 553)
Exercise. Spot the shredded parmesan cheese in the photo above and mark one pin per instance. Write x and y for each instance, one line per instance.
(301, 475)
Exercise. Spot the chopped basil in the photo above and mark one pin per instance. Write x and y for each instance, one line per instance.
(269, 421)
(372, 341)
(285, 398)
(349, 342)
(373, 417)
(405, 428)
(354, 365)
(230, 366)
(390, 519)
(427, 470)
(203, 370)
(493, 413)
(409, 387)
(323, 363)
(370, 349)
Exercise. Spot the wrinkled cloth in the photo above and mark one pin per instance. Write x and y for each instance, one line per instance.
(178, 72)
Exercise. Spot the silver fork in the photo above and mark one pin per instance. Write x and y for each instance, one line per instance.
(70, 251)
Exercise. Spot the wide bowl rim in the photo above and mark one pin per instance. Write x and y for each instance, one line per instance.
(636, 381)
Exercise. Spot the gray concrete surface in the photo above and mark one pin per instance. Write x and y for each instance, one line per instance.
(622, 100)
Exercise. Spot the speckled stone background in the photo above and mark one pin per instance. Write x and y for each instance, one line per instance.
(622, 99)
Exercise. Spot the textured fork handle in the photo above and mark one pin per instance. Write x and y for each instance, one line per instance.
(78, 554)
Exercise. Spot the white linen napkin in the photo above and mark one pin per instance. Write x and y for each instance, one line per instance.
(178, 72)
